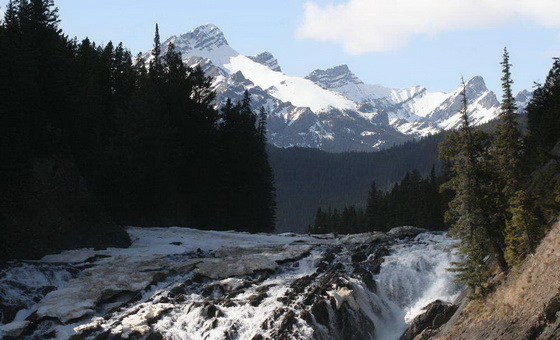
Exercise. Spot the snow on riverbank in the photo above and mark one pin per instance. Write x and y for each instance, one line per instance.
(183, 283)
(154, 253)
(149, 242)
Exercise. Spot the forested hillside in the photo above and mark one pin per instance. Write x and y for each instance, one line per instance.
(91, 139)
(307, 178)
(414, 201)
(496, 212)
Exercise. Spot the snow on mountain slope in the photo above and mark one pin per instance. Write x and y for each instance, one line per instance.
(287, 88)
(330, 109)
(208, 42)
(483, 105)
(422, 103)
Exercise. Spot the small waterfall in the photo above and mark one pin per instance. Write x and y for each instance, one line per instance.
(360, 287)
(412, 276)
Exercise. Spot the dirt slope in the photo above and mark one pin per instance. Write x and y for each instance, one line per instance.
(525, 306)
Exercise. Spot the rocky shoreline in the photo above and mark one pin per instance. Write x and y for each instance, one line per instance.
(265, 287)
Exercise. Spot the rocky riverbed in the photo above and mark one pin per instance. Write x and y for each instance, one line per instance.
(180, 283)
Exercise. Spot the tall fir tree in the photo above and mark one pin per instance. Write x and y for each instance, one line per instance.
(373, 209)
(463, 151)
(523, 229)
(543, 118)
(156, 64)
(508, 147)
(507, 166)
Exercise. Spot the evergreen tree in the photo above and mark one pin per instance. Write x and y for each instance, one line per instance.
(11, 14)
(433, 203)
(507, 153)
(471, 223)
(250, 197)
(474, 271)
(507, 167)
(373, 209)
(523, 230)
(543, 117)
(144, 138)
(413, 201)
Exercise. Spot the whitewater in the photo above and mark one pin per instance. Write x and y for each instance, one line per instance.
(181, 283)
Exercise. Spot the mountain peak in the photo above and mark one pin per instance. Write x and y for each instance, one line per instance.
(333, 77)
(523, 96)
(477, 84)
(266, 59)
(205, 37)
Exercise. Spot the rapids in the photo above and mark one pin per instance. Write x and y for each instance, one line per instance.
(177, 283)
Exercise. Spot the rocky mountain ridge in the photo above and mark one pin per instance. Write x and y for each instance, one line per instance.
(330, 109)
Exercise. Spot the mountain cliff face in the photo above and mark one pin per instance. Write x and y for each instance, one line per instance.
(267, 59)
(330, 109)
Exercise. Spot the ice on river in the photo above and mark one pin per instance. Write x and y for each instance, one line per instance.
(128, 291)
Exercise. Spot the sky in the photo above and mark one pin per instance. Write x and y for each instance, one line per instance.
(396, 43)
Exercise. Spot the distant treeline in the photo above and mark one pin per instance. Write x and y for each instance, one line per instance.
(308, 178)
(413, 201)
(91, 138)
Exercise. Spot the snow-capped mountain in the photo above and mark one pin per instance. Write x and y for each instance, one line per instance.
(330, 109)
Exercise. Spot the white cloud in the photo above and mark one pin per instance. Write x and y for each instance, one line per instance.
(381, 25)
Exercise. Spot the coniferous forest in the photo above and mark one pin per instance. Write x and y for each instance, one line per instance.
(166, 194)
(93, 138)
(505, 185)
(497, 189)
(414, 201)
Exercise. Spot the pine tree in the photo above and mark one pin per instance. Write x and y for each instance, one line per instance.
(373, 215)
(266, 176)
(431, 203)
(261, 129)
(507, 153)
(44, 14)
(467, 212)
(543, 117)
(473, 271)
(523, 230)
(11, 19)
(156, 66)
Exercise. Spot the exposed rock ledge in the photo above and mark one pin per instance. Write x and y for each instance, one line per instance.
(426, 325)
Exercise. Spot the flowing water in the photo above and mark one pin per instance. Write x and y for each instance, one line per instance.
(286, 287)
(412, 276)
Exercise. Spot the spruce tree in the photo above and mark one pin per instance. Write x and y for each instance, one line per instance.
(470, 220)
(543, 117)
(156, 66)
(373, 214)
(11, 19)
(473, 271)
(507, 152)
(523, 230)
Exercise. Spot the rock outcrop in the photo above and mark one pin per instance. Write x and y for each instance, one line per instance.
(426, 325)
(176, 283)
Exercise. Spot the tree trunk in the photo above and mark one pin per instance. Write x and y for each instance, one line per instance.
(500, 258)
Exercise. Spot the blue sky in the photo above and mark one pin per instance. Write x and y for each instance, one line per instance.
(436, 57)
